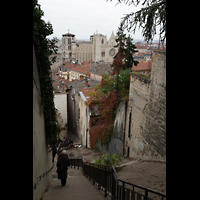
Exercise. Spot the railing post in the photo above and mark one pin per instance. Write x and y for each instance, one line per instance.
(146, 194)
(123, 191)
(105, 184)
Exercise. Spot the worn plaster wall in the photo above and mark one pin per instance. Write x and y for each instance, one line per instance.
(42, 159)
(83, 124)
(71, 111)
(60, 101)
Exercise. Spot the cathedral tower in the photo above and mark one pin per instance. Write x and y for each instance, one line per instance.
(68, 47)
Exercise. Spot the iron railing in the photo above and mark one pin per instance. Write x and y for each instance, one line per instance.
(106, 177)
(76, 162)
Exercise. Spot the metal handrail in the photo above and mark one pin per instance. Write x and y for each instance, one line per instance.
(116, 178)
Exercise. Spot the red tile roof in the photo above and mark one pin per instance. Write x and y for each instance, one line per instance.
(142, 66)
(86, 92)
(83, 68)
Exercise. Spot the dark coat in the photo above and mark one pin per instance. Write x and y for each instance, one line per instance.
(62, 164)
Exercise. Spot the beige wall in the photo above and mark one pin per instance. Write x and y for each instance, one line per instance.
(60, 101)
(42, 159)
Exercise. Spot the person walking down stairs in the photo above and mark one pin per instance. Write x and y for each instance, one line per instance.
(62, 165)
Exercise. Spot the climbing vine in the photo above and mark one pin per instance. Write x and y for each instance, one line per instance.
(43, 49)
(113, 89)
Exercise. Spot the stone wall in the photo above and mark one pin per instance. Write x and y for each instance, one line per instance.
(117, 141)
(155, 119)
(145, 132)
(138, 99)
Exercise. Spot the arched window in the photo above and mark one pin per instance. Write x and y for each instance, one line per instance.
(103, 54)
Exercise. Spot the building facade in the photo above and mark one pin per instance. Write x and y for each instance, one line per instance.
(97, 49)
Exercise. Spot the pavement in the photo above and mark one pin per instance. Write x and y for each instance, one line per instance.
(77, 187)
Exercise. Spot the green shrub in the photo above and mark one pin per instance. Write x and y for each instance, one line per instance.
(109, 159)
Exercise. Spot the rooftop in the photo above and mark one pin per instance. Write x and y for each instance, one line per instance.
(85, 93)
(68, 34)
(142, 66)
(101, 68)
(85, 42)
(81, 84)
(83, 68)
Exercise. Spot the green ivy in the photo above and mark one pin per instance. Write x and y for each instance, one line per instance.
(43, 49)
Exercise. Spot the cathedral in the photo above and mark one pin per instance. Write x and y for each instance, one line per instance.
(97, 49)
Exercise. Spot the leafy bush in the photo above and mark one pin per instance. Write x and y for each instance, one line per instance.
(109, 159)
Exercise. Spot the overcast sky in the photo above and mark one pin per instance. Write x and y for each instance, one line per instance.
(85, 17)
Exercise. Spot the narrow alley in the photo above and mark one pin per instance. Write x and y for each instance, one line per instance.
(78, 187)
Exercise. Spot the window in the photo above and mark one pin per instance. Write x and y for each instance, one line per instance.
(102, 41)
(69, 40)
(69, 47)
(129, 129)
(102, 54)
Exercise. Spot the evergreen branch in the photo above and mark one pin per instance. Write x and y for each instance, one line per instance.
(147, 18)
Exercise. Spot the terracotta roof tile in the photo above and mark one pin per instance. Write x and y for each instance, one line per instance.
(83, 68)
(142, 66)
(86, 92)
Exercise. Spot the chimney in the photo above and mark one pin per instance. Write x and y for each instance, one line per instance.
(63, 79)
(86, 83)
(81, 77)
(67, 83)
(72, 80)
(54, 73)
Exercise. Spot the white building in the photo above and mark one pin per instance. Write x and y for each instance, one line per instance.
(60, 101)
